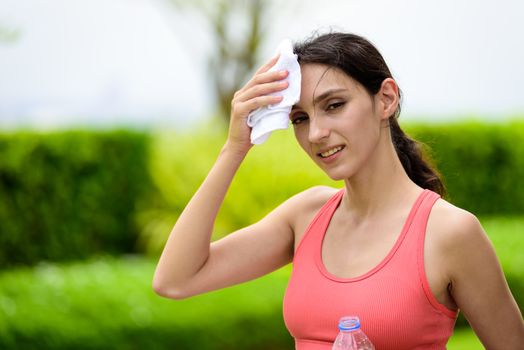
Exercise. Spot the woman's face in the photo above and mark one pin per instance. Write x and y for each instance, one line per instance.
(335, 121)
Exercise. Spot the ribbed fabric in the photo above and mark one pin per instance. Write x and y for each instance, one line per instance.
(393, 300)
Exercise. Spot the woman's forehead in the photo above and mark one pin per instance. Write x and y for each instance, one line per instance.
(317, 79)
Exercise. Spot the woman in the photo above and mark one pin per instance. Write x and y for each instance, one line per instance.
(386, 247)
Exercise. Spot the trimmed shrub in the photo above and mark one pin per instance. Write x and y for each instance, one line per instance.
(68, 195)
(482, 163)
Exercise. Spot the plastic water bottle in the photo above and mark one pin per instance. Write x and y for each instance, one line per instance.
(351, 336)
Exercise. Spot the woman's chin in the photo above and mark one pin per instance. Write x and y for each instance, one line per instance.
(336, 172)
(336, 175)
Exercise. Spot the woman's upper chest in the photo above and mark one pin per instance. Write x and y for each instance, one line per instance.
(350, 250)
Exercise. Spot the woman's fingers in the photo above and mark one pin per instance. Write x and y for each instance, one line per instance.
(265, 77)
(245, 107)
(255, 94)
(261, 89)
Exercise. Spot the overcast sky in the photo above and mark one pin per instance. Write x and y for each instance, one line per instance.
(139, 62)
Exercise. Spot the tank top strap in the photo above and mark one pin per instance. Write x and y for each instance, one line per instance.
(415, 225)
(420, 220)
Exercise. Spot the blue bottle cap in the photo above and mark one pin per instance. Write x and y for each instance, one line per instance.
(349, 323)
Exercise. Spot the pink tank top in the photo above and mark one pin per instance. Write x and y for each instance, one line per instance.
(396, 308)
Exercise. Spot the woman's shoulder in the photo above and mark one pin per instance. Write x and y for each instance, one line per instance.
(303, 206)
(452, 229)
(451, 219)
(317, 195)
(312, 198)
(455, 240)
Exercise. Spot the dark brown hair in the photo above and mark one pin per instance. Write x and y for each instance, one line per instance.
(360, 60)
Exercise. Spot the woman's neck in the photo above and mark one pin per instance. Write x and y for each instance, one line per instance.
(381, 185)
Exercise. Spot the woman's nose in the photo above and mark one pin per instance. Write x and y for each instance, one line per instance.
(317, 131)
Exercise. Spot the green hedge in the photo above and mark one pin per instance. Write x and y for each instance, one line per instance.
(482, 166)
(482, 163)
(68, 195)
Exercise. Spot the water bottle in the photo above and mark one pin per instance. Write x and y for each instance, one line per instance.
(351, 336)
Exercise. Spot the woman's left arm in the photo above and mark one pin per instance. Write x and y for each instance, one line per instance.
(479, 287)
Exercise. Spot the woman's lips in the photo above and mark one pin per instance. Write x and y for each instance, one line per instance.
(332, 157)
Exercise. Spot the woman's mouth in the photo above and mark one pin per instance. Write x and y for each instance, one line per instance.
(330, 152)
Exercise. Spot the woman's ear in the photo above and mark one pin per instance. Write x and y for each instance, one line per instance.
(388, 97)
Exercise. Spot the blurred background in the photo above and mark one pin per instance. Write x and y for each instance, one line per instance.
(112, 112)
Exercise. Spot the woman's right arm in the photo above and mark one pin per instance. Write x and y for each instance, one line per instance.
(189, 263)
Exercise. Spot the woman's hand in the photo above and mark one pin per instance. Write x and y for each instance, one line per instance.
(253, 95)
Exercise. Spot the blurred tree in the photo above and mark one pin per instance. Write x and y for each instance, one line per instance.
(237, 31)
(8, 35)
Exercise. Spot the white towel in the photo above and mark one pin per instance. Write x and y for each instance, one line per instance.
(266, 119)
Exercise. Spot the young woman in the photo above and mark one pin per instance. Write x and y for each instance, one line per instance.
(385, 247)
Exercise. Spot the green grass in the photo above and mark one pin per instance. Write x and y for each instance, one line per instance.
(110, 301)
(464, 339)
(88, 305)
(507, 235)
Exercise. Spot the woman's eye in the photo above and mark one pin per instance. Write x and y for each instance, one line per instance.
(335, 105)
(298, 118)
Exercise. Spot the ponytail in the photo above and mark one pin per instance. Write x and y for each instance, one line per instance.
(416, 165)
